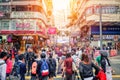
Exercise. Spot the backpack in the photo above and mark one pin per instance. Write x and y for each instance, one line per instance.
(44, 68)
(52, 65)
(34, 67)
(69, 67)
(17, 67)
(30, 56)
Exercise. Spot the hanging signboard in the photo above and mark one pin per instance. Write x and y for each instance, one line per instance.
(52, 30)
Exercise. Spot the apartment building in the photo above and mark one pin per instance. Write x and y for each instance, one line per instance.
(25, 20)
(89, 20)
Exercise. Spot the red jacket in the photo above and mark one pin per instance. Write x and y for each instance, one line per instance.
(9, 66)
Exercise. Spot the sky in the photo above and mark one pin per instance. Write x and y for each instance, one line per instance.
(60, 4)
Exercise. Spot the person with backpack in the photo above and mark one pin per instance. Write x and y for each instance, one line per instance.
(68, 66)
(34, 68)
(30, 57)
(3, 57)
(22, 66)
(43, 68)
(52, 66)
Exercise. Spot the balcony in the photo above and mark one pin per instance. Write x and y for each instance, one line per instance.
(105, 18)
(28, 15)
(26, 3)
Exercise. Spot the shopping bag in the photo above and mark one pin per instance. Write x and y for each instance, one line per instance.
(109, 72)
(101, 75)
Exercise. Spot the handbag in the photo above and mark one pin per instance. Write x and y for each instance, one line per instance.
(109, 72)
(101, 75)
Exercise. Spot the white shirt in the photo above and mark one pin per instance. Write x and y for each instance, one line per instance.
(2, 70)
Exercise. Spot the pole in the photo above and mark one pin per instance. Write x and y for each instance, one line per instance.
(100, 23)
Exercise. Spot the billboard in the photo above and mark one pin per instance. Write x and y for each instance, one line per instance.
(52, 30)
(106, 30)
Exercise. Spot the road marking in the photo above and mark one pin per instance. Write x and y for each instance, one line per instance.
(59, 76)
(116, 76)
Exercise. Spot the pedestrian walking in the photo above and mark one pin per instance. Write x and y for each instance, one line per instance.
(22, 66)
(86, 68)
(3, 57)
(30, 59)
(9, 65)
(68, 67)
(52, 66)
(34, 69)
(43, 68)
(105, 65)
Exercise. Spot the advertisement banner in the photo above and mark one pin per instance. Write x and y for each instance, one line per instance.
(106, 30)
(23, 24)
(52, 30)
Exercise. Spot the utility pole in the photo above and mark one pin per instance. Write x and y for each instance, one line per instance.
(100, 26)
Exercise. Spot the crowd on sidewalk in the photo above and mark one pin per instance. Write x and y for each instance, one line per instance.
(45, 64)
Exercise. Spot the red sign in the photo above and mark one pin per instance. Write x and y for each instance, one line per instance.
(22, 25)
(20, 32)
(52, 31)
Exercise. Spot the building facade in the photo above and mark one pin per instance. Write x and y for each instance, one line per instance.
(89, 20)
(24, 19)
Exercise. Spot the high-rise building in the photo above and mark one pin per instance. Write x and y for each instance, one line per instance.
(25, 19)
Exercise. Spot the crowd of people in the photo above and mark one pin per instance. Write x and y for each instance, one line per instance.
(48, 63)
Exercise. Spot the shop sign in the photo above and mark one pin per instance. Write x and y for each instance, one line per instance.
(52, 30)
(20, 32)
(20, 24)
(106, 30)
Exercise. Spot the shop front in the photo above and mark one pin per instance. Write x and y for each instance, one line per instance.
(110, 36)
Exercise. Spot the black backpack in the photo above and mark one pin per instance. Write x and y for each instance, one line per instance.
(52, 66)
(30, 56)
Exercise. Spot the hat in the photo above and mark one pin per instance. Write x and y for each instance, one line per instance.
(104, 53)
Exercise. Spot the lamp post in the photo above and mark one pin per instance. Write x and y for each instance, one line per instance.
(100, 25)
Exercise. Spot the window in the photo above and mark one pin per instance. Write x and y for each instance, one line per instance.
(5, 25)
(27, 8)
(90, 10)
(4, 1)
(4, 8)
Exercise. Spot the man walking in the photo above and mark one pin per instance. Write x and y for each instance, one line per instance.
(3, 57)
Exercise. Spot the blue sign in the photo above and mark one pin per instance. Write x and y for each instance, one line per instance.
(106, 30)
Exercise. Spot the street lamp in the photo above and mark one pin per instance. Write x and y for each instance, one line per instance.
(100, 23)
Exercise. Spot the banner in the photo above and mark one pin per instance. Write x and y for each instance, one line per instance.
(52, 30)
(106, 30)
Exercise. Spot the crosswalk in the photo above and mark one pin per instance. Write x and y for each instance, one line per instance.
(59, 77)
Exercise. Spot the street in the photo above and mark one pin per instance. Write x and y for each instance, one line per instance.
(115, 63)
